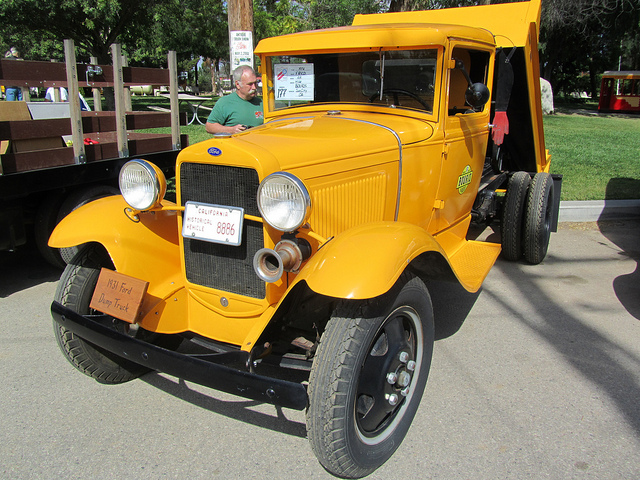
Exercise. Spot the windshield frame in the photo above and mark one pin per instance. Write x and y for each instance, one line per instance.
(271, 66)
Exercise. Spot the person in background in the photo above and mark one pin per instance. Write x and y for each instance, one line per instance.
(13, 93)
(64, 97)
(239, 110)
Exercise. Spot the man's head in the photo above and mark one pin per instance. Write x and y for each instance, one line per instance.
(245, 81)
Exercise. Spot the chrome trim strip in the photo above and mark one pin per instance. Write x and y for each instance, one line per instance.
(395, 134)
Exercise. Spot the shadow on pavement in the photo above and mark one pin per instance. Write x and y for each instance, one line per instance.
(590, 353)
(625, 235)
(23, 269)
(235, 409)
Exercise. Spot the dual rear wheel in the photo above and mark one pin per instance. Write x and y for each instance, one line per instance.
(527, 216)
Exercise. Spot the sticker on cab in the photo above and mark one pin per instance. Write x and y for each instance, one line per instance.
(464, 180)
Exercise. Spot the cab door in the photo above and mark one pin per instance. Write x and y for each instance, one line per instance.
(466, 131)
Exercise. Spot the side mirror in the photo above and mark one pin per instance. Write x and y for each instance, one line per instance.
(477, 95)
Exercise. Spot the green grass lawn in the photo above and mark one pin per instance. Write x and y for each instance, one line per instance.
(598, 155)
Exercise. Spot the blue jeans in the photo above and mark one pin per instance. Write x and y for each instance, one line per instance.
(13, 93)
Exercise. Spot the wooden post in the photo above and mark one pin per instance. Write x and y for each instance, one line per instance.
(118, 90)
(73, 93)
(172, 60)
(97, 97)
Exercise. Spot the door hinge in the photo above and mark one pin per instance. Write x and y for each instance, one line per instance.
(445, 150)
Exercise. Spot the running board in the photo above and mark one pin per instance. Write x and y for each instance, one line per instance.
(471, 262)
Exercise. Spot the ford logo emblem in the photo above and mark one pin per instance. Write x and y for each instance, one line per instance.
(216, 152)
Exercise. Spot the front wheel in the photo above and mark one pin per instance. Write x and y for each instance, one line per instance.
(368, 377)
(75, 289)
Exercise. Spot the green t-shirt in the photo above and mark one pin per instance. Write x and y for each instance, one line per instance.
(232, 110)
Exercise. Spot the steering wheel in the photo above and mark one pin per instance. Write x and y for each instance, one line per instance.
(396, 91)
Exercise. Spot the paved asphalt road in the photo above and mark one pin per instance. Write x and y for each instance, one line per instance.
(536, 376)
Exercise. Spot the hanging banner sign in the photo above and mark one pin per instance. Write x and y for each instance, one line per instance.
(241, 47)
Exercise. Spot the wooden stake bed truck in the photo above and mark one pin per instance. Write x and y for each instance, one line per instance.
(55, 157)
(292, 268)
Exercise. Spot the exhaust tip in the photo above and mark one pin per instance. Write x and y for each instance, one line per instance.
(268, 265)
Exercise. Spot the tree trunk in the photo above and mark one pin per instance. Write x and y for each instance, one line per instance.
(593, 84)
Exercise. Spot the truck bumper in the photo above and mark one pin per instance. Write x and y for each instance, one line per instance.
(208, 370)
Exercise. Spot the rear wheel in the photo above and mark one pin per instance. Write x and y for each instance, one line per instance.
(45, 221)
(537, 220)
(75, 290)
(368, 377)
(512, 216)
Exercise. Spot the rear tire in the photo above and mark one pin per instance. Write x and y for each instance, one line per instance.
(75, 290)
(368, 377)
(45, 221)
(512, 216)
(537, 221)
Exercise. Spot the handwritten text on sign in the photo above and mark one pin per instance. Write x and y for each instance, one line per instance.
(294, 81)
(118, 295)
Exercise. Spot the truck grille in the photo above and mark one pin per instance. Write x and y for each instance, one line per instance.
(218, 266)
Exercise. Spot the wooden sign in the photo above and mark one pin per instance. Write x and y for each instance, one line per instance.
(119, 295)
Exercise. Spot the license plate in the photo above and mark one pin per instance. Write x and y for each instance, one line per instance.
(213, 223)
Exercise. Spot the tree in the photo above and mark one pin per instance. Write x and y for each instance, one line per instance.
(147, 29)
(411, 5)
(584, 36)
(194, 29)
(277, 17)
(333, 13)
(39, 26)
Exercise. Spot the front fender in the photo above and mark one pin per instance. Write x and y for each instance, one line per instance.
(365, 261)
(148, 249)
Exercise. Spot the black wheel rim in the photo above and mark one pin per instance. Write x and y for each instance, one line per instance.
(388, 375)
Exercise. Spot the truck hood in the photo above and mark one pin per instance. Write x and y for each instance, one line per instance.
(320, 138)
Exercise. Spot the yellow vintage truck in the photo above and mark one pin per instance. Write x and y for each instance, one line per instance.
(292, 268)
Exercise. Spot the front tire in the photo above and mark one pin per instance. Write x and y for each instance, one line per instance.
(75, 289)
(368, 377)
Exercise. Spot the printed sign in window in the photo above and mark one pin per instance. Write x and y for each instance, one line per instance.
(294, 81)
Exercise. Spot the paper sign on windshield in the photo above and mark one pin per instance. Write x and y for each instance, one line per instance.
(294, 81)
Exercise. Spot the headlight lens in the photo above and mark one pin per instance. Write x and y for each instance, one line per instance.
(284, 201)
(142, 184)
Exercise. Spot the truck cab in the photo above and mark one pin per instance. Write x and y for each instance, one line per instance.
(292, 268)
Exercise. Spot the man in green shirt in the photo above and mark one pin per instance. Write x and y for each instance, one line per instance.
(239, 110)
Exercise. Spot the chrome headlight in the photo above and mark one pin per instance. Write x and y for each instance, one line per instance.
(284, 201)
(142, 184)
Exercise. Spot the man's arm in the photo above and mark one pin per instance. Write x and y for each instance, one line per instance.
(212, 128)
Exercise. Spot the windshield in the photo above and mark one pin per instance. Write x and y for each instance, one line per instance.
(402, 78)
